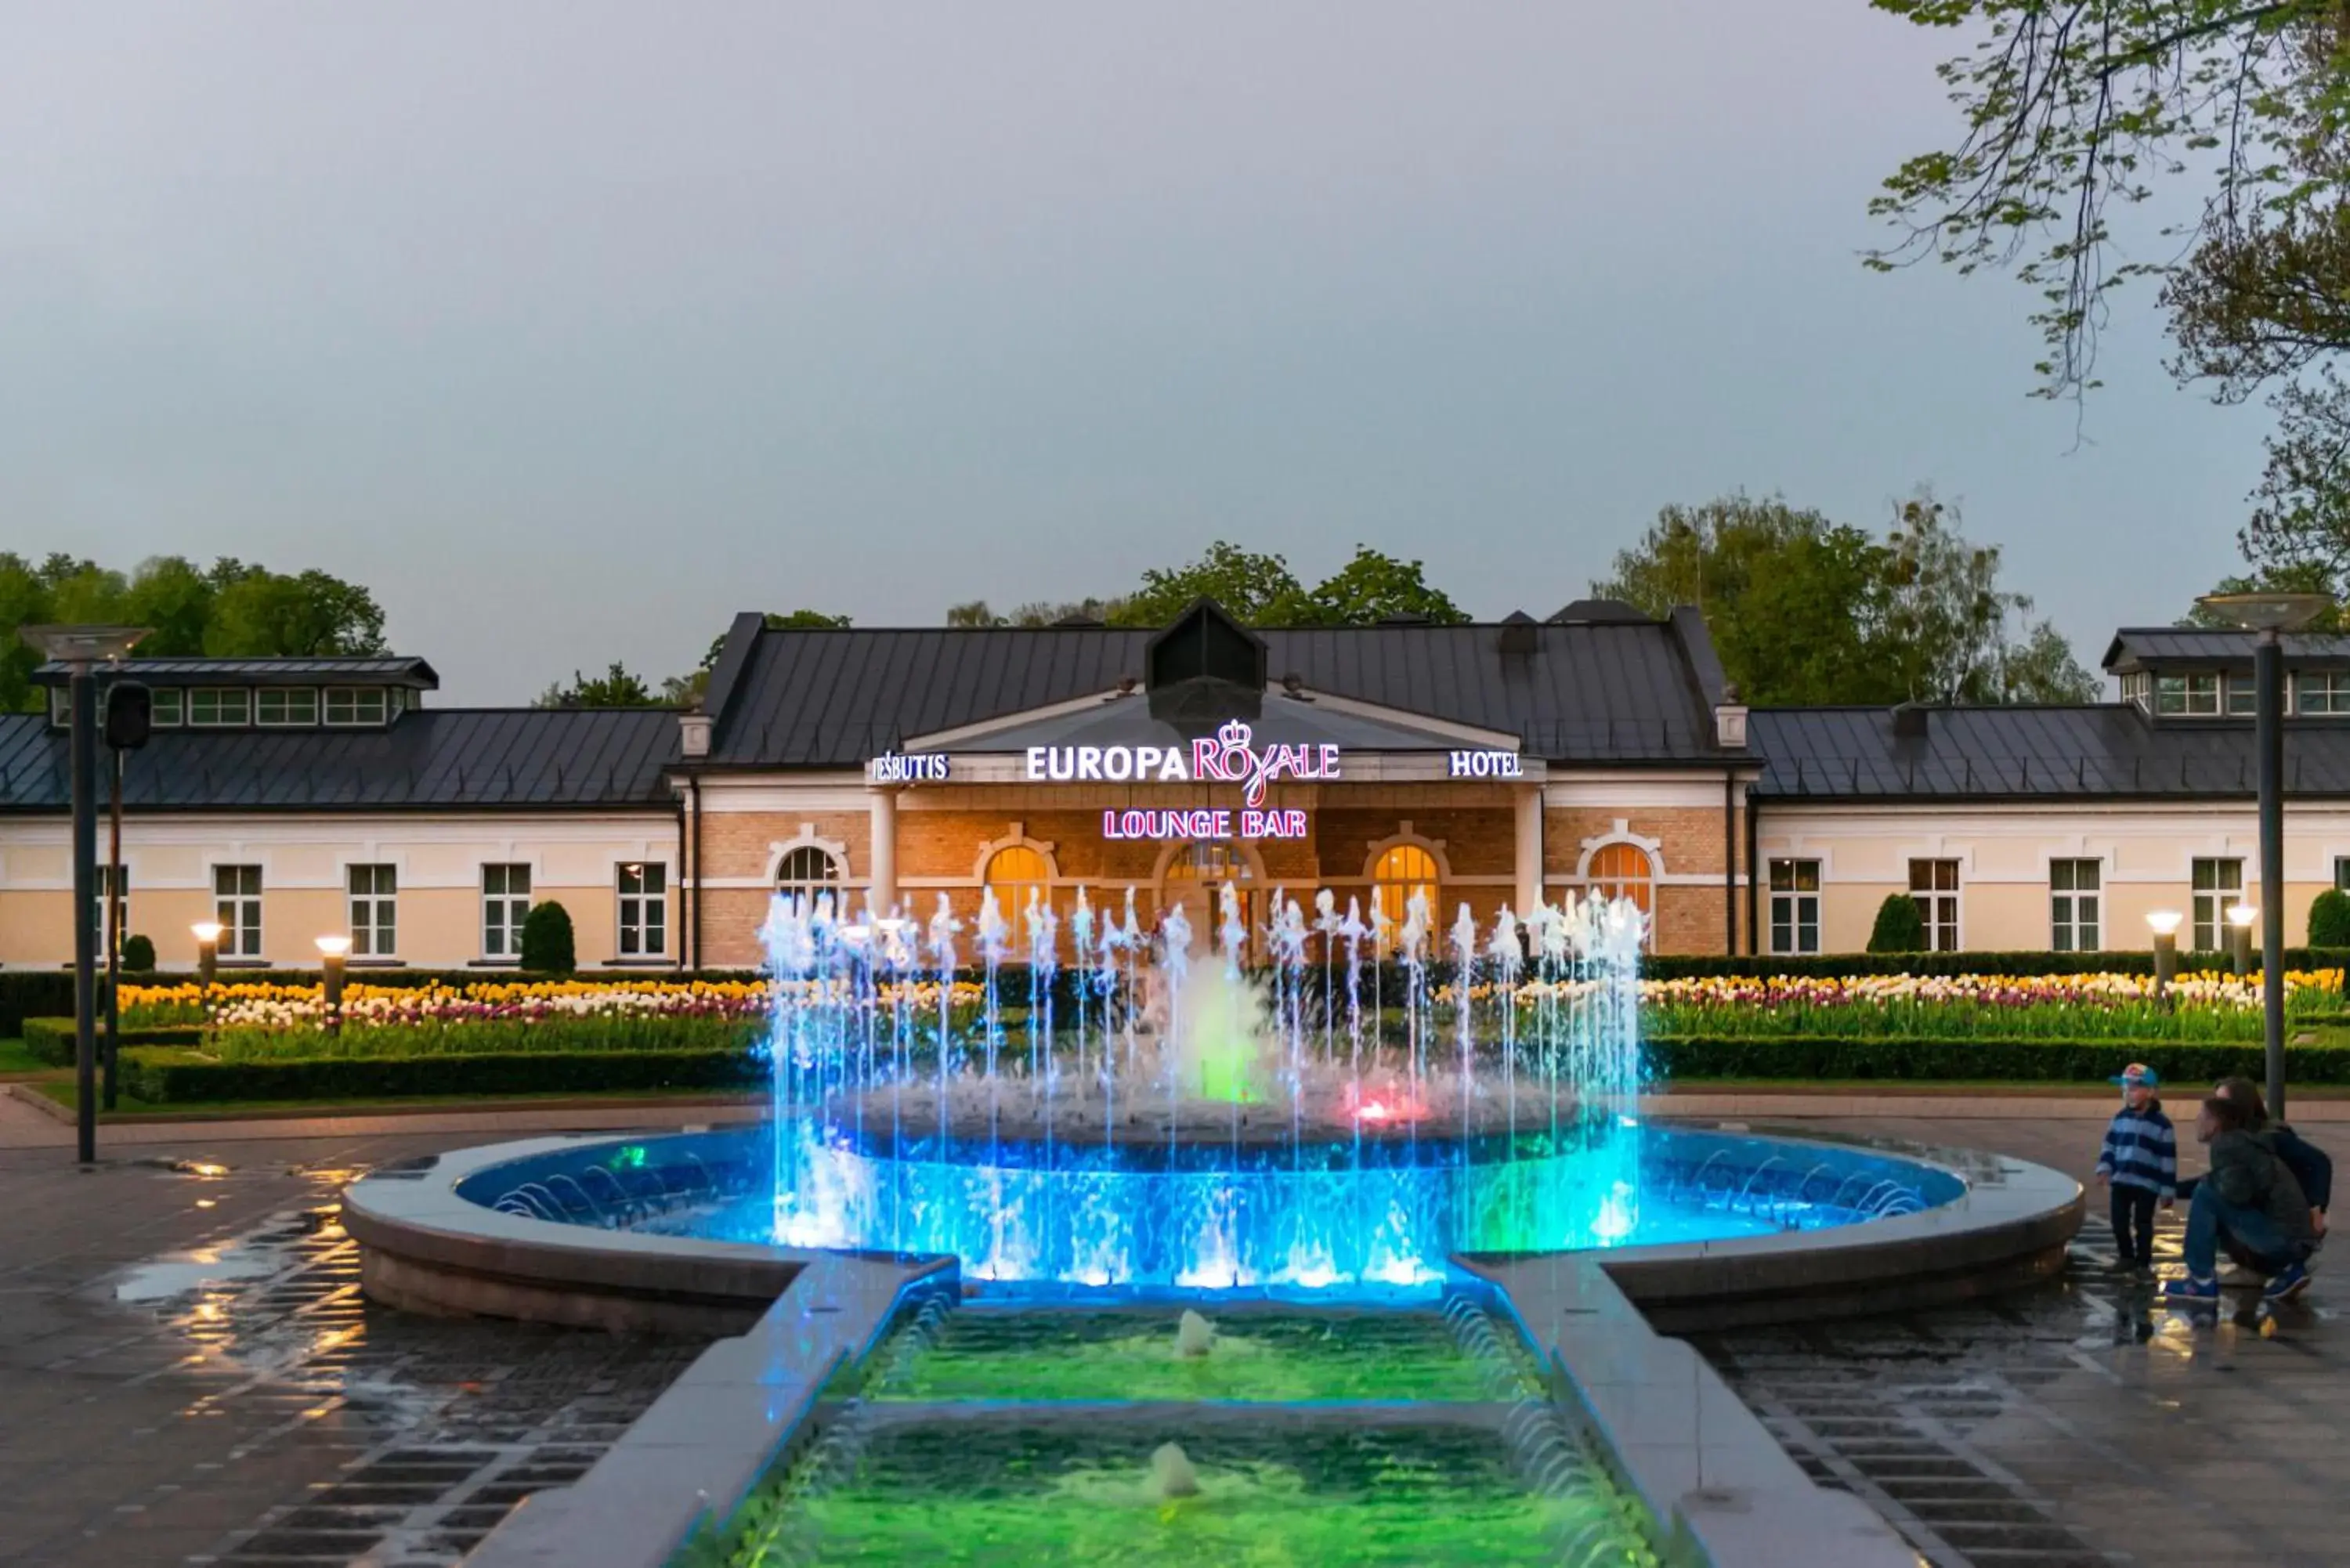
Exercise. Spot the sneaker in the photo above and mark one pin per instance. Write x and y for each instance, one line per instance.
(2287, 1283)
(2191, 1290)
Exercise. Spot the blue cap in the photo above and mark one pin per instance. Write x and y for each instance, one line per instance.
(2137, 1073)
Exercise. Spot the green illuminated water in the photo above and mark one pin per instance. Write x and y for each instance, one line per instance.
(991, 1493)
(1025, 1439)
(986, 1354)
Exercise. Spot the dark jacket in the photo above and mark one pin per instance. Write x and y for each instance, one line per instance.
(2246, 1171)
(2308, 1163)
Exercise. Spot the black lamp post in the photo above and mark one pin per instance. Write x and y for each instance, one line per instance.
(81, 649)
(2268, 616)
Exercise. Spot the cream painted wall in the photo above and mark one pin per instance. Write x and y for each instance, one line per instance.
(2145, 854)
(438, 861)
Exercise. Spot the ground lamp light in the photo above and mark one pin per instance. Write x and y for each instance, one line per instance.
(2163, 924)
(331, 952)
(2240, 920)
(208, 936)
(81, 649)
(2268, 616)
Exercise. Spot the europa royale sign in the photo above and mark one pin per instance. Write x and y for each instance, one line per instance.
(1229, 756)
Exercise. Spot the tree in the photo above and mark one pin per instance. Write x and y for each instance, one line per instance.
(1901, 926)
(2329, 919)
(1259, 590)
(1374, 586)
(615, 687)
(2308, 578)
(1807, 611)
(230, 609)
(547, 940)
(2073, 105)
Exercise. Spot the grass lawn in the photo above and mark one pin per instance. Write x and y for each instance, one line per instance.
(61, 1090)
(15, 1060)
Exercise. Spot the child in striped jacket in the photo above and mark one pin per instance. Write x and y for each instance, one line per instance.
(2140, 1165)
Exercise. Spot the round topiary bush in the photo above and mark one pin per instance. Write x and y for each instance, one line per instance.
(138, 954)
(546, 947)
(2329, 919)
(1900, 927)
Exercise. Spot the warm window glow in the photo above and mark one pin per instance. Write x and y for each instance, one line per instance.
(1014, 872)
(1624, 871)
(807, 872)
(1406, 869)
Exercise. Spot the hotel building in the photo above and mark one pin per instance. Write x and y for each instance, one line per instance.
(1485, 764)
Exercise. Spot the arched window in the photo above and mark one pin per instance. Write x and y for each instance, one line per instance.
(1402, 870)
(1624, 871)
(807, 872)
(1014, 872)
(1196, 877)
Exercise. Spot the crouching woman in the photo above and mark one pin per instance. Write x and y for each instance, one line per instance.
(2248, 1203)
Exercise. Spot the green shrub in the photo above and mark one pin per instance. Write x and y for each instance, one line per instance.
(1828, 1058)
(138, 955)
(183, 1077)
(547, 946)
(1900, 928)
(51, 1040)
(2329, 919)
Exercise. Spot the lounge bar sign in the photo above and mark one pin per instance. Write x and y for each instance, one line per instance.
(1229, 756)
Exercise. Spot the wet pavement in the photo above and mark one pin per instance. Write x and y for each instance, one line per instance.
(189, 1375)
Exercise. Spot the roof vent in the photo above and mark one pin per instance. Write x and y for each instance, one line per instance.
(1521, 634)
(1909, 720)
(1127, 684)
(693, 728)
(1599, 612)
(1729, 720)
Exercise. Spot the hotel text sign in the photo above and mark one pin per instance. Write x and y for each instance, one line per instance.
(1485, 764)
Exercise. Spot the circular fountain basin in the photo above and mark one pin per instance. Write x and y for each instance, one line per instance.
(1700, 1225)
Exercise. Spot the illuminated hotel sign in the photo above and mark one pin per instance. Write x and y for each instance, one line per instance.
(1485, 765)
(895, 768)
(1229, 756)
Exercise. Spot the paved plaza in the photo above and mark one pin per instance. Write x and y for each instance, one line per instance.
(276, 1418)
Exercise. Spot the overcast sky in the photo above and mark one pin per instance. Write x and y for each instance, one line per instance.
(573, 328)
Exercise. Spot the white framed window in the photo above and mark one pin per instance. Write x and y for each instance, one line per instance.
(375, 910)
(2342, 872)
(2322, 692)
(285, 705)
(1935, 885)
(219, 707)
(2243, 697)
(806, 872)
(2077, 904)
(112, 907)
(2194, 696)
(356, 705)
(167, 707)
(60, 706)
(506, 901)
(1795, 906)
(643, 889)
(2216, 885)
(237, 905)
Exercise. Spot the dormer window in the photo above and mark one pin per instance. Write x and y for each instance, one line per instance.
(2322, 692)
(169, 706)
(356, 705)
(286, 705)
(219, 707)
(2187, 695)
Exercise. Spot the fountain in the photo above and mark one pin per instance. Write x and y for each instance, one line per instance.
(1134, 1117)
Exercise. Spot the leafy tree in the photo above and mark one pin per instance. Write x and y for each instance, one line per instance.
(615, 687)
(232, 609)
(2071, 106)
(2301, 578)
(1804, 610)
(1901, 926)
(973, 614)
(138, 954)
(1259, 590)
(546, 940)
(1374, 586)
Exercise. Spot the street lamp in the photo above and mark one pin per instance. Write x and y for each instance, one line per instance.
(81, 649)
(208, 936)
(2240, 917)
(331, 950)
(2268, 616)
(2163, 924)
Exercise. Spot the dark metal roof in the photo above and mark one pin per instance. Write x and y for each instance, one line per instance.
(2028, 753)
(437, 758)
(1616, 693)
(389, 670)
(2137, 648)
(1128, 720)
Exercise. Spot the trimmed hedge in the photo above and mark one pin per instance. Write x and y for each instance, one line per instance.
(2194, 1065)
(182, 1077)
(52, 1041)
